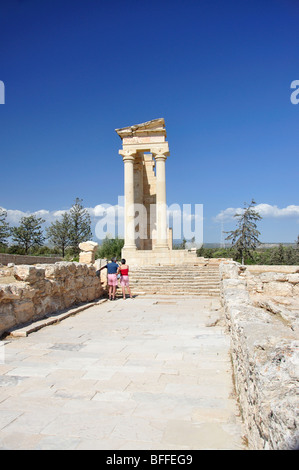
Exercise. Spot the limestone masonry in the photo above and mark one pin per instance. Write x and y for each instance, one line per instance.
(262, 312)
(36, 291)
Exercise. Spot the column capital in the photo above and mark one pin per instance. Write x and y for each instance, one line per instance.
(128, 155)
(160, 155)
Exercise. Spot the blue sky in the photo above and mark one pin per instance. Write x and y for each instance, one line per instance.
(218, 72)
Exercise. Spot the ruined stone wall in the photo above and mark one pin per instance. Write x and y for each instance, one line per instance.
(44, 289)
(274, 281)
(6, 258)
(265, 357)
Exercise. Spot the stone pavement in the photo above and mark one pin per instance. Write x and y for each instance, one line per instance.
(149, 373)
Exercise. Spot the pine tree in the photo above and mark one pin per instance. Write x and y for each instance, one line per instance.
(59, 233)
(80, 222)
(4, 227)
(245, 238)
(278, 255)
(29, 233)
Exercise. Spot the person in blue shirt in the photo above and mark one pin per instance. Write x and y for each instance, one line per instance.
(112, 269)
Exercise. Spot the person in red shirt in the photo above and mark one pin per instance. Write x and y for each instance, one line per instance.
(123, 270)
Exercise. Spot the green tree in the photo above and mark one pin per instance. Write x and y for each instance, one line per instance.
(29, 233)
(290, 255)
(277, 255)
(110, 248)
(245, 238)
(4, 228)
(59, 233)
(80, 222)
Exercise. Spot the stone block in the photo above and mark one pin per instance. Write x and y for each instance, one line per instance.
(69, 298)
(51, 271)
(79, 283)
(7, 294)
(272, 276)
(91, 293)
(24, 311)
(22, 290)
(28, 273)
(296, 290)
(277, 288)
(293, 278)
(81, 270)
(7, 317)
(88, 246)
(45, 306)
(66, 268)
(229, 271)
(87, 257)
(82, 295)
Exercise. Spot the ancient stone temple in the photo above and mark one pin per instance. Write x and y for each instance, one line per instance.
(148, 240)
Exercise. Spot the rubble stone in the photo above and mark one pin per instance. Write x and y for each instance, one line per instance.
(42, 290)
(265, 353)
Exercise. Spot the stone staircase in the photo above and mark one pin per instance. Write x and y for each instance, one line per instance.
(186, 279)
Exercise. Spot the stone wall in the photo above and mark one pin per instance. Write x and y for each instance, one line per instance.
(265, 357)
(6, 258)
(44, 289)
(272, 281)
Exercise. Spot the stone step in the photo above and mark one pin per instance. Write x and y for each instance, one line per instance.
(174, 268)
(169, 276)
(166, 278)
(173, 274)
(180, 286)
(176, 280)
(207, 293)
(159, 271)
(170, 288)
(179, 267)
(174, 287)
(178, 291)
(173, 279)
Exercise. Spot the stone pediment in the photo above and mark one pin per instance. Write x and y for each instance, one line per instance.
(156, 127)
(145, 137)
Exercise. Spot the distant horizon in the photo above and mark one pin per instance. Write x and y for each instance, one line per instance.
(109, 211)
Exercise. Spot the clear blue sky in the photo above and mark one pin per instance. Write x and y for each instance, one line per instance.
(219, 72)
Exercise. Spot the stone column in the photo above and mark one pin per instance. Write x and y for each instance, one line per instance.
(161, 207)
(128, 159)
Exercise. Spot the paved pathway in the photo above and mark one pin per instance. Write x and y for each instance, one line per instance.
(147, 373)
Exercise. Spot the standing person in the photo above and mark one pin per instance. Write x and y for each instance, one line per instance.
(123, 270)
(112, 269)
